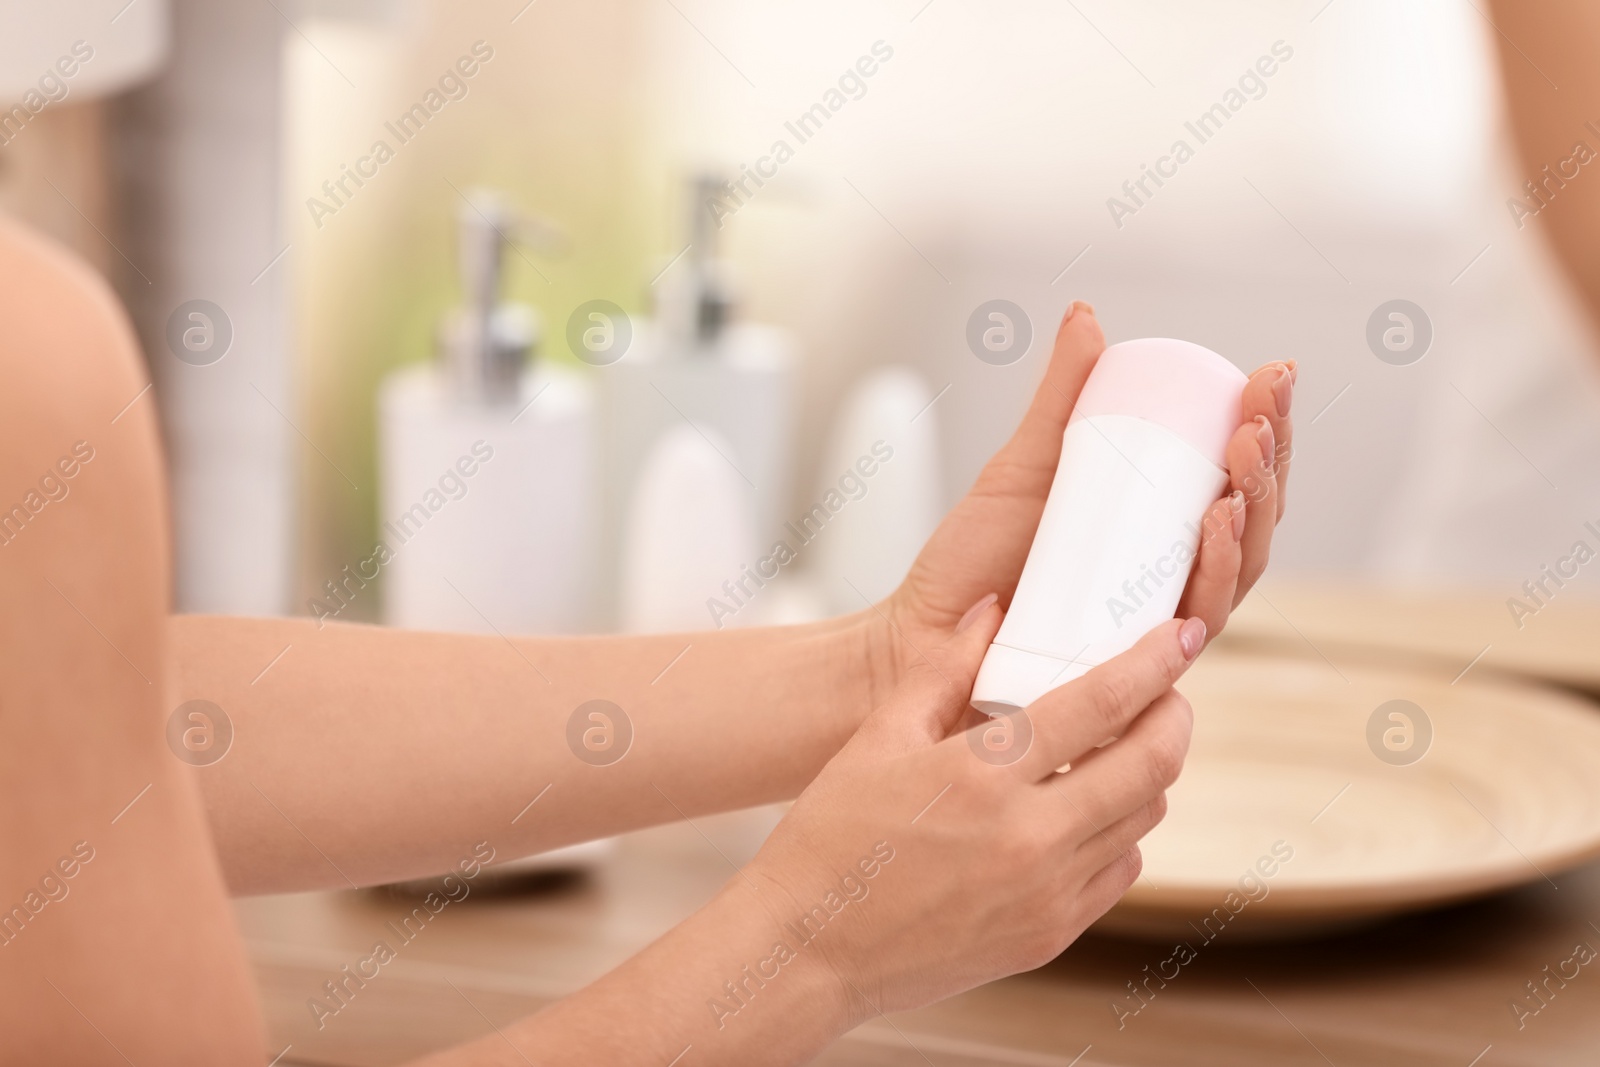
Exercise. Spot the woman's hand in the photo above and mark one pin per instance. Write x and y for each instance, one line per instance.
(981, 545)
(921, 862)
(927, 862)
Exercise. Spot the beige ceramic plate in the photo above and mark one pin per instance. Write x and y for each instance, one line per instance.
(1507, 791)
(1554, 637)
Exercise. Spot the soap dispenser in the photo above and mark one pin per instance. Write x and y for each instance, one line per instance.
(697, 363)
(488, 463)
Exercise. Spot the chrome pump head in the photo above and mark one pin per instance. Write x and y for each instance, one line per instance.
(486, 341)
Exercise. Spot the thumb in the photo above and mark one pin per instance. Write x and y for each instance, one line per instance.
(1036, 445)
(934, 695)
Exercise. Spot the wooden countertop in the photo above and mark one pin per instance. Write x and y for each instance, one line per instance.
(1433, 990)
(1552, 637)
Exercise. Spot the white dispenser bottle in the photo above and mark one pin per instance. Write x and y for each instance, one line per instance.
(1142, 459)
(488, 496)
(697, 364)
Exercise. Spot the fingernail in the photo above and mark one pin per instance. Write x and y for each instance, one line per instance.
(1191, 636)
(1294, 371)
(1283, 390)
(1236, 502)
(1265, 440)
(977, 609)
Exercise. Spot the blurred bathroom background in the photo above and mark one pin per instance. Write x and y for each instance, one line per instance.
(775, 331)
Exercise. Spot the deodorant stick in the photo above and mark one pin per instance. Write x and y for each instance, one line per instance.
(1142, 460)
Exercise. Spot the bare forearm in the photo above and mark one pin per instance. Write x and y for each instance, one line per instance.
(732, 984)
(365, 754)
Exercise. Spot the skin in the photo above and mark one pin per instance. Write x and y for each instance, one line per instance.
(141, 958)
(1043, 856)
(360, 807)
(1554, 42)
(365, 754)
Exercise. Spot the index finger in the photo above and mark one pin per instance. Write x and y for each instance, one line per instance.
(1035, 447)
(1074, 718)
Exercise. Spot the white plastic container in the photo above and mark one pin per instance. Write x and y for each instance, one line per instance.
(1142, 459)
(696, 363)
(490, 522)
(489, 466)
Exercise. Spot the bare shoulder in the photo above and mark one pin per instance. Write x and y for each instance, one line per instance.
(65, 342)
(71, 369)
(112, 815)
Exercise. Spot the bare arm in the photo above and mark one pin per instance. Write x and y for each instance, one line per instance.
(1555, 43)
(910, 870)
(117, 943)
(367, 754)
